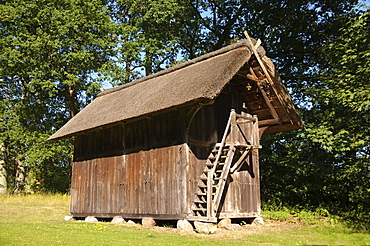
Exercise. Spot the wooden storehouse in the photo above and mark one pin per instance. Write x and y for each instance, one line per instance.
(182, 143)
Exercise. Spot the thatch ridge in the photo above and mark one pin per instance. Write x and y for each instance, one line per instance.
(228, 48)
(201, 79)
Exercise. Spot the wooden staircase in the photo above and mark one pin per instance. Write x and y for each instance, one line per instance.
(225, 159)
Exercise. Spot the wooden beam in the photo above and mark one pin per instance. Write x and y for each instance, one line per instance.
(240, 160)
(263, 67)
(270, 122)
(267, 99)
(246, 117)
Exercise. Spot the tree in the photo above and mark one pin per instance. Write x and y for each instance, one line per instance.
(147, 38)
(156, 34)
(3, 182)
(342, 104)
(330, 157)
(49, 53)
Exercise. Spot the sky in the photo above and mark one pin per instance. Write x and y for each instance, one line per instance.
(366, 2)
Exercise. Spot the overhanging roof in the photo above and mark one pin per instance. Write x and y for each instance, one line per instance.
(202, 78)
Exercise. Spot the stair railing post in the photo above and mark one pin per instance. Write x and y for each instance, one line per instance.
(233, 129)
(210, 212)
(256, 140)
(222, 144)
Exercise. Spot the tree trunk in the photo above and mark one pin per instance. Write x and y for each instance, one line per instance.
(148, 63)
(20, 181)
(3, 183)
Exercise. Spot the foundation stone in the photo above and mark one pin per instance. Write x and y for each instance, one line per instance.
(205, 228)
(184, 225)
(148, 222)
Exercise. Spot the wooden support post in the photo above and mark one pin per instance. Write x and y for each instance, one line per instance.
(256, 135)
(267, 99)
(233, 130)
(210, 212)
(238, 165)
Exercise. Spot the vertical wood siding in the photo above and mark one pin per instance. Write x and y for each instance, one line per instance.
(151, 166)
(243, 194)
(243, 191)
(145, 183)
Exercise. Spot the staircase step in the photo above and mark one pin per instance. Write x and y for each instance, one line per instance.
(202, 182)
(202, 194)
(222, 151)
(225, 146)
(200, 202)
(199, 213)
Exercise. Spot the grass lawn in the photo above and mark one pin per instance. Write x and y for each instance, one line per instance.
(39, 220)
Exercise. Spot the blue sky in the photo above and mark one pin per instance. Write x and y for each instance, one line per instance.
(366, 2)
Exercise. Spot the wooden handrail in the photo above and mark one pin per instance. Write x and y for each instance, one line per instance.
(213, 170)
(246, 117)
(212, 204)
(223, 178)
(222, 144)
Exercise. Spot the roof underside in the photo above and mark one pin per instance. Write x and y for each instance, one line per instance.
(200, 79)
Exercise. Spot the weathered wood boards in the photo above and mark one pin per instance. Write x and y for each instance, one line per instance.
(150, 167)
(132, 186)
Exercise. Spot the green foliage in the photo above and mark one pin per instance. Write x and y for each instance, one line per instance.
(49, 53)
(276, 215)
(328, 163)
(346, 78)
(302, 215)
(147, 38)
(342, 104)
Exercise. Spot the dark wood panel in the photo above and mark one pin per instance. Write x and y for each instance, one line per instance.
(143, 134)
(144, 182)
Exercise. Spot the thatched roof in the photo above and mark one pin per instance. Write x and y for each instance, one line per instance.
(200, 79)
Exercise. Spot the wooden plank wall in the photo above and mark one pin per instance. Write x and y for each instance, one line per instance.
(100, 143)
(207, 128)
(197, 156)
(150, 167)
(243, 195)
(134, 169)
(142, 134)
(145, 183)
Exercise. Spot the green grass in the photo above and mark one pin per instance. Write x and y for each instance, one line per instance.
(39, 220)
